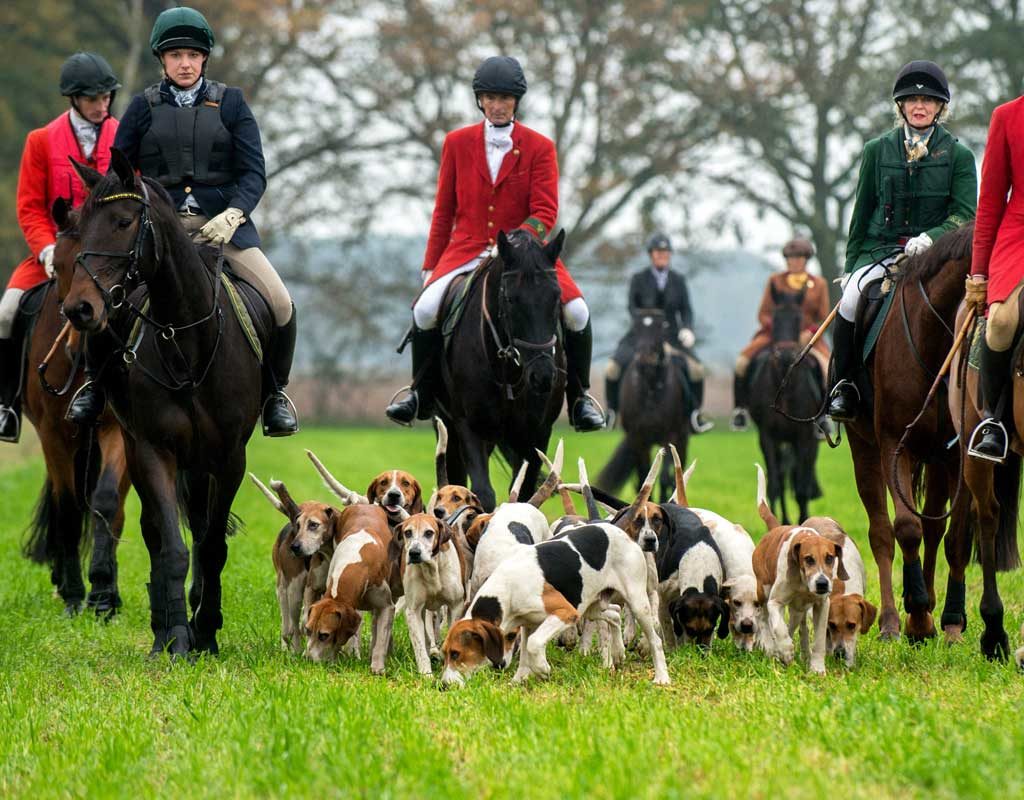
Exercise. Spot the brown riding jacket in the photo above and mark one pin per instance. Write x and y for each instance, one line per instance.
(815, 308)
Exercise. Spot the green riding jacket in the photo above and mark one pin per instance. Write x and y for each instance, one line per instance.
(898, 200)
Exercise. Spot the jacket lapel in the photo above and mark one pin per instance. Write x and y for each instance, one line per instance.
(480, 153)
(512, 156)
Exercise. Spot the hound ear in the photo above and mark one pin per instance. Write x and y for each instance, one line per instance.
(841, 572)
(493, 642)
(416, 507)
(89, 176)
(122, 168)
(869, 612)
(723, 620)
(371, 495)
(794, 561)
(553, 249)
(474, 500)
(444, 533)
(726, 589)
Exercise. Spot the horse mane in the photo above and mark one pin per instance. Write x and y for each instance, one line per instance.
(953, 246)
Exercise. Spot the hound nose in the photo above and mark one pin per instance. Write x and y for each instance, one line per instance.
(415, 556)
(821, 585)
(82, 314)
(649, 544)
(296, 548)
(746, 626)
(439, 513)
(394, 497)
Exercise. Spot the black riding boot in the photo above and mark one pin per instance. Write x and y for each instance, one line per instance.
(989, 440)
(279, 418)
(10, 381)
(845, 397)
(740, 417)
(584, 414)
(88, 402)
(419, 404)
(698, 423)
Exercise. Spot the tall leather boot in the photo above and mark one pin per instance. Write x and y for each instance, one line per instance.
(989, 440)
(740, 420)
(419, 403)
(279, 417)
(584, 414)
(845, 397)
(10, 382)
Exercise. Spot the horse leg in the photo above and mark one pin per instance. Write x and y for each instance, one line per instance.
(980, 477)
(454, 461)
(773, 466)
(871, 487)
(805, 485)
(63, 521)
(154, 474)
(107, 522)
(641, 454)
(908, 530)
(477, 455)
(959, 540)
(936, 497)
(211, 554)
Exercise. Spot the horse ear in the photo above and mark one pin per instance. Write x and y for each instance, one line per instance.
(554, 248)
(503, 247)
(122, 168)
(89, 176)
(60, 212)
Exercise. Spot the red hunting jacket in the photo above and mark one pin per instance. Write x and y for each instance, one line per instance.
(45, 175)
(998, 250)
(470, 209)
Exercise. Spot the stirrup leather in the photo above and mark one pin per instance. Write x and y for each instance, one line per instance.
(978, 432)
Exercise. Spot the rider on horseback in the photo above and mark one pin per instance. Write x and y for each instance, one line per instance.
(664, 288)
(916, 183)
(813, 294)
(199, 139)
(997, 270)
(85, 132)
(496, 175)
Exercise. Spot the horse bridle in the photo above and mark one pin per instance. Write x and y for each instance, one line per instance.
(510, 354)
(117, 296)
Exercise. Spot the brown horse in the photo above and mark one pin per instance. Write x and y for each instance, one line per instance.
(86, 473)
(995, 489)
(913, 342)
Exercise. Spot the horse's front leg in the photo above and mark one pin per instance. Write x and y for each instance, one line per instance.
(107, 521)
(476, 454)
(210, 553)
(980, 477)
(154, 473)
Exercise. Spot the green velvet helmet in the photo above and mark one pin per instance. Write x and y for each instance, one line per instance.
(181, 27)
(87, 74)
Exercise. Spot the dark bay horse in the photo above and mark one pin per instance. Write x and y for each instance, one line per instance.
(185, 385)
(995, 489)
(790, 448)
(655, 407)
(86, 474)
(913, 342)
(504, 369)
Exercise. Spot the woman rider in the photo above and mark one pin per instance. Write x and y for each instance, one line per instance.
(199, 139)
(495, 175)
(916, 183)
(84, 132)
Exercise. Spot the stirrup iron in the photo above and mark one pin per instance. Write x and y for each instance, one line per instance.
(971, 447)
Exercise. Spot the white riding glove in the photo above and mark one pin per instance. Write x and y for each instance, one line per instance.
(686, 338)
(918, 244)
(46, 259)
(222, 227)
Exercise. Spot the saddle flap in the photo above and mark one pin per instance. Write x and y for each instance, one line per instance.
(872, 312)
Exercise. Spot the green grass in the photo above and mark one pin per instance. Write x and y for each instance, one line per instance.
(84, 713)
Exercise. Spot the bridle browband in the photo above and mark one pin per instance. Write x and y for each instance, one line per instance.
(117, 296)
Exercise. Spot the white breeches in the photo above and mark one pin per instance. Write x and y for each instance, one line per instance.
(8, 311)
(858, 280)
(575, 313)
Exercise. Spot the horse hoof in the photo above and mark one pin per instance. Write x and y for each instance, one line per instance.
(954, 634)
(995, 645)
(72, 609)
(920, 630)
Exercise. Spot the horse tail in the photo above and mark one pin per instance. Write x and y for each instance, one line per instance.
(40, 546)
(918, 483)
(1007, 481)
(617, 470)
(184, 498)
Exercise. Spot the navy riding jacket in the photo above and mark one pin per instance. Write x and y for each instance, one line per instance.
(249, 168)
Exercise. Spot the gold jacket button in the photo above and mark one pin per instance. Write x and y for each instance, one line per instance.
(515, 152)
(490, 224)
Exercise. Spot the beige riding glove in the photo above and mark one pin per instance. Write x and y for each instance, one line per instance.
(977, 294)
(222, 227)
(46, 259)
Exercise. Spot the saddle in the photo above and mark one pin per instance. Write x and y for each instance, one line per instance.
(875, 304)
(455, 300)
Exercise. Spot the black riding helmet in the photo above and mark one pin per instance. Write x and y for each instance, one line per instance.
(87, 74)
(499, 75)
(921, 78)
(658, 241)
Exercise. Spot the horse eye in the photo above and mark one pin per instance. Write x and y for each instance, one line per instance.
(124, 222)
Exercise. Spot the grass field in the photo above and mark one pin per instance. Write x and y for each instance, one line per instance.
(83, 713)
